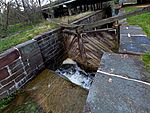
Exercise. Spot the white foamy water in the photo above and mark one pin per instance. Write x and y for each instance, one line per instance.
(70, 70)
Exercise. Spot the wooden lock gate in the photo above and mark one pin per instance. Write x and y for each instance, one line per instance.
(87, 47)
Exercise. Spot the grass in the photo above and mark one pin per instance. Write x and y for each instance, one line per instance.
(4, 102)
(16, 28)
(13, 40)
(143, 21)
(44, 26)
(70, 19)
(14, 106)
(146, 61)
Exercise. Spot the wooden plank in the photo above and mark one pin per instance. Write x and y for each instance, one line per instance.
(118, 17)
(83, 27)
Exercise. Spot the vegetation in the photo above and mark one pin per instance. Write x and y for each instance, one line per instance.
(37, 29)
(70, 19)
(144, 22)
(13, 40)
(14, 107)
(4, 102)
(146, 61)
(17, 28)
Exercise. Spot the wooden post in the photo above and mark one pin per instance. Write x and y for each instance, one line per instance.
(97, 5)
(91, 7)
(94, 7)
(69, 10)
(75, 10)
(87, 7)
(101, 5)
(80, 8)
(84, 7)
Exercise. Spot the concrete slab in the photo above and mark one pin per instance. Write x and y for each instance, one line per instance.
(130, 66)
(140, 40)
(132, 30)
(134, 48)
(133, 40)
(116, 94)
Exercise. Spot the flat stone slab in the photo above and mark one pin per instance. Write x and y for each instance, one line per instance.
(133, 40)
(130, 66)
(116, 94)
(134, 48)
(132, 30)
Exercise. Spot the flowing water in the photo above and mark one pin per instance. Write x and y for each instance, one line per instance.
(71, 71)
(50, 92)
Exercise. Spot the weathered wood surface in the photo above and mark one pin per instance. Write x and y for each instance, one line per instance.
(87, 48)
(118, 17)
(105, 21)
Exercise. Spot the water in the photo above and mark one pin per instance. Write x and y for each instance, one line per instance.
(48, 92)
(71, 71)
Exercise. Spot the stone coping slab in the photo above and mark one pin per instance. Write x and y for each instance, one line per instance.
(133, 40)
(131, 29)
(134, 48)
(130, 66)
(111, 93)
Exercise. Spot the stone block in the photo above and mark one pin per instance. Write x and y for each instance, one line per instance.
(7, 87)
(8, 56)
(38, 38)
(3, 73)
(27, 48)
(130, 66)
(133, 40)
(20, 77)
(16, 68)
(116, 94)
(12, 89)
(18, 72)
(31, 55)
(11, 78)
(21, 83)
(45, 45)
(134, 48)
(35, 61)
(132, 30)
(14, 64)
(3, 95)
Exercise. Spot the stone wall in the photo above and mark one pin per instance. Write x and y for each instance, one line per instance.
(18, 65)
(91, 18)
(24, 61)
(52, 48)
